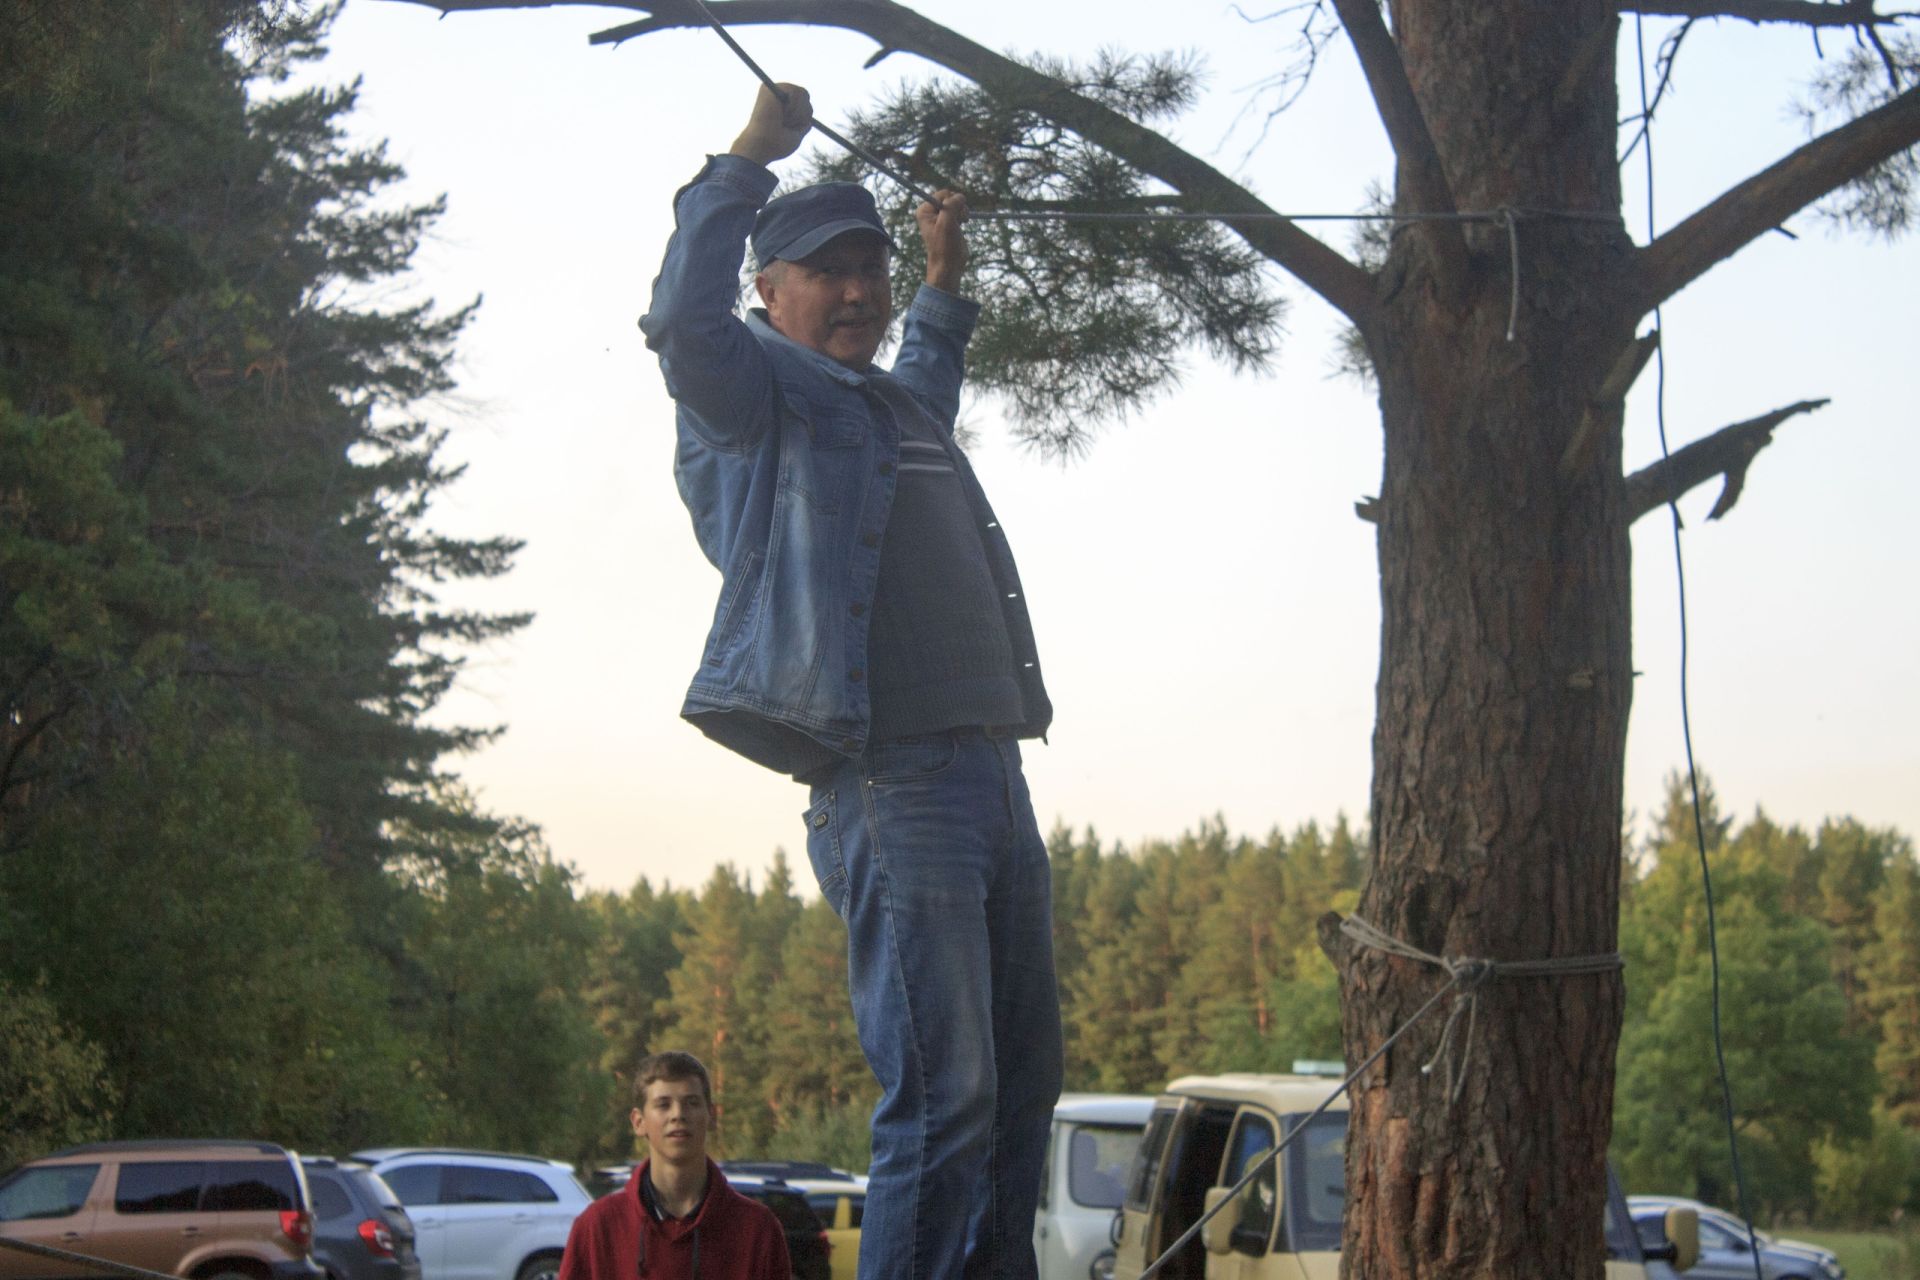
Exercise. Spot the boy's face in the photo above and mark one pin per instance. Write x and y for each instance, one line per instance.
(675, 1120)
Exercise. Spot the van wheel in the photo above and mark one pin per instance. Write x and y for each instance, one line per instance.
(542, 1266)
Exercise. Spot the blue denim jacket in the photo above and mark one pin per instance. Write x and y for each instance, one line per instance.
(786, 463)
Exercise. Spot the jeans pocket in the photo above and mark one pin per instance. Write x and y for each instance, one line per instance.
(823, 851)
(910, 759)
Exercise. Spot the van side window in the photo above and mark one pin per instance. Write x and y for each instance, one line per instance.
(1146, 1164)
(50, 1191)
(241, 1186)
(1046, 1165)
(158, 1186)
(1316, 1181)
(1097, 1157)
(1252, 1139)
(329, 1201)
(494, 1186)
(415, 1184)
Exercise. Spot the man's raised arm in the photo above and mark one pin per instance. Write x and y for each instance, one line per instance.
(713, 366)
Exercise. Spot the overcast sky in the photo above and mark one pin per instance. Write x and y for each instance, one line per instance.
(1205, 598)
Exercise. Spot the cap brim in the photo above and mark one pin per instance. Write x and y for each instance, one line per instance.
(816, 239)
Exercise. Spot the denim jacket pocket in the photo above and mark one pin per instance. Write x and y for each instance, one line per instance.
(829, 425)
(736, 606)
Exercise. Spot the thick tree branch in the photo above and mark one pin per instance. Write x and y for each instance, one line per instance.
(1767, 199)
(1727, 452)
(1806, 13)
(1422, 181)
(1349, 288)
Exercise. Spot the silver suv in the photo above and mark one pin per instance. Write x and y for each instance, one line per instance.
(483, 1215)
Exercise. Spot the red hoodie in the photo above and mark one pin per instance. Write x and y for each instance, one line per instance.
(728, 1238)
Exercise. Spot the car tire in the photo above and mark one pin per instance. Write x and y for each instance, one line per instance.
(541, 1266)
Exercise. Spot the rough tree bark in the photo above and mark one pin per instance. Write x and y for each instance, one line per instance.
(1505, 669)
(1505, 662)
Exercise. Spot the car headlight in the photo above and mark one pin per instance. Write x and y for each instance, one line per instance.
(1102, 1268)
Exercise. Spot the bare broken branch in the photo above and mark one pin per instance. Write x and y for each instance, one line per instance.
(1762, 202)
(1422, 181)
(1613, 390)
(1322, 269)
(1806, 13)
(1727, 452)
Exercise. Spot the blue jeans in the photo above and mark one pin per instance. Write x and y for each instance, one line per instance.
(928, 849)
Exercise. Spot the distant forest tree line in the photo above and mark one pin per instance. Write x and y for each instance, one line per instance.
(242, 893)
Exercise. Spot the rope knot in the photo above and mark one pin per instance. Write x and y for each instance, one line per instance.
(1465, 976)
(1470, 974)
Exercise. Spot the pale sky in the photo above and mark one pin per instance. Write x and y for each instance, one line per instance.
(1205, 599)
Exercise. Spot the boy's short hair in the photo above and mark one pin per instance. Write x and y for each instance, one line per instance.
(671, 1065)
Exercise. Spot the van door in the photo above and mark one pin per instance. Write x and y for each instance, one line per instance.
(1250, 1217)
(49, 1204)
(418, 1186)
(1049, 1250)
(1179, 1159)
(154, 1219)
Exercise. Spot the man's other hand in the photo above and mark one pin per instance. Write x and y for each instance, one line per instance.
(777, 128)
(946, 243)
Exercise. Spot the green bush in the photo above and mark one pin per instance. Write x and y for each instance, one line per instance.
(53, 1085)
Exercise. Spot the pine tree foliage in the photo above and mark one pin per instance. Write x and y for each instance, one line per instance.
(219, 634)
(1081, 321)
(230, 475)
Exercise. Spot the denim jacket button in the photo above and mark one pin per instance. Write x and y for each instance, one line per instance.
(857, 674)
(886, 468)
(856, 608)
(869, 539)
(820, 820)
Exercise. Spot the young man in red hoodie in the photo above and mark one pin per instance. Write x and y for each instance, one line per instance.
(676, 1219)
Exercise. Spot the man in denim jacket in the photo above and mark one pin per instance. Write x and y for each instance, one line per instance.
(872, 639)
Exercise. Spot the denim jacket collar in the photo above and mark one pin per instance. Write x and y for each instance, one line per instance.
(763, 329)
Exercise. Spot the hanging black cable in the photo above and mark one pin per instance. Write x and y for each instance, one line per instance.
(1686, 716)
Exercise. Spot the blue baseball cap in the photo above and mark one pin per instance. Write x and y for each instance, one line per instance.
(801, 222)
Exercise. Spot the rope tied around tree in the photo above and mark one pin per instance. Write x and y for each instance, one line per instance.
(1466, 975)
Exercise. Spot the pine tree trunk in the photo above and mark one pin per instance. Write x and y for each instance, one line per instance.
(1505, 669)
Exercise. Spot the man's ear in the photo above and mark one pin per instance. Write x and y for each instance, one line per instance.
(763, 284)
(633, 1120)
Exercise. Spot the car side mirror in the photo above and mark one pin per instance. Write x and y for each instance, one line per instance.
(1217, 1235)
(1682, 1227)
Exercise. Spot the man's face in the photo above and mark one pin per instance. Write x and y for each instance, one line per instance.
(836, 300)
(675, 1120)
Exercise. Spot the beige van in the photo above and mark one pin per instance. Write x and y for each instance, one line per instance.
(205, 1210)
(1206, 1131)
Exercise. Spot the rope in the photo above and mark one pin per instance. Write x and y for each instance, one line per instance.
(1469, 975)
(1503, 216)
(1259, 1166)
(767, 80)
(100, 1265)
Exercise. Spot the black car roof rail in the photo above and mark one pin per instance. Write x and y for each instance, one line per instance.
(392, 1153)
(167, 1144)
(784, 1168)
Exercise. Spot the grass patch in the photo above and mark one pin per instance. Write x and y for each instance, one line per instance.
(1870, 1255)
